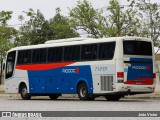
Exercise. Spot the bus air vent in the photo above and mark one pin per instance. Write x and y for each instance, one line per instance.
(106, 83)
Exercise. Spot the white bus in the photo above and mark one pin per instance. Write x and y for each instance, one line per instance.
(110, 67)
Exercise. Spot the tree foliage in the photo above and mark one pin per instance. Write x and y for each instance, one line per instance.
(85, 17)
(5, 16)
(35, 31)
(7, 34)
(61, 27)
(5, 45)
(118, 21)
(121, 21)
(150, 19)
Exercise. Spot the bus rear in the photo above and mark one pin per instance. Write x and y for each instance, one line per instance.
(138, 75)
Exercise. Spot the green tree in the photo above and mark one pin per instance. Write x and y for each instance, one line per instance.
(5, 16)
(118, 21)
(61, 27)
(150, 19)
(35, 31)
(6, 35)
(85, 17)
(121, 21)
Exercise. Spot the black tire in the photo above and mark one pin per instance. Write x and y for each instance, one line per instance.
(113, 97)
(83, 92)
(24, 93)
(91, 98)
(54, 96)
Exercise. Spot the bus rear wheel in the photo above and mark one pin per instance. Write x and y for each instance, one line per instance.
(24, 93)
(83, 92)
(54, 96)
(113, 97)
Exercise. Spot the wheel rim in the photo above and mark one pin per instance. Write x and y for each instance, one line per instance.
(83, 92)
(24, 91)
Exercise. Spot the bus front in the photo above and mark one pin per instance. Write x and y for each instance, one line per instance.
(138, 74)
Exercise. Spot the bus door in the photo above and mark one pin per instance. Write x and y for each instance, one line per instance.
(10, 64)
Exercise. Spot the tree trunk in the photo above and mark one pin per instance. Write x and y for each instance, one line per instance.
(1, 72)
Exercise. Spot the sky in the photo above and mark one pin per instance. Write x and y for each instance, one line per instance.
(47, 7)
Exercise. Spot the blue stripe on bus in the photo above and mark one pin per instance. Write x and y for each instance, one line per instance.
(141, 59)
(60, 80)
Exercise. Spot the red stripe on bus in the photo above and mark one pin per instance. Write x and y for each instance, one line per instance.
(140, 81)
(42, 66)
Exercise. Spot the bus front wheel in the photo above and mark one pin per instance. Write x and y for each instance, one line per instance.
(24, 93)
(83, 92)
(113, 97)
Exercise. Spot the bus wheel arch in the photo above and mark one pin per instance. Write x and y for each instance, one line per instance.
(24, 91)
(82, 90)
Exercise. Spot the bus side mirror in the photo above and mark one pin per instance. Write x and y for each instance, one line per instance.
(3, 66)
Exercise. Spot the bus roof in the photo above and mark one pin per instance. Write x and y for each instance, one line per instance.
(66, 40)
(76, 41)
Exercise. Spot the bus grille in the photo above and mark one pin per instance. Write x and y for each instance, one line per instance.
(106, 83)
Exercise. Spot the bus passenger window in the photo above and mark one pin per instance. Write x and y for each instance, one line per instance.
(55, 54)
(39, 56)
(24, 57)
(106, 51)
(76, 53)
(72, 53)
(89, 52)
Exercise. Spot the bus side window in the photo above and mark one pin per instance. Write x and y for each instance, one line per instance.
(77, 52)
(111, 50)
(10, 64)
(89, 52)
(39, 56)
(24, 57)
(55, 54)
(35, 56)
(43, 53)
(72, 53)
(85, 52)
(106, 51)
(58, 54)
(51, 55)
(68, 53)
(93, 49)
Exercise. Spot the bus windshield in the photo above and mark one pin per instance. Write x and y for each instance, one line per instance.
(137, 48)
